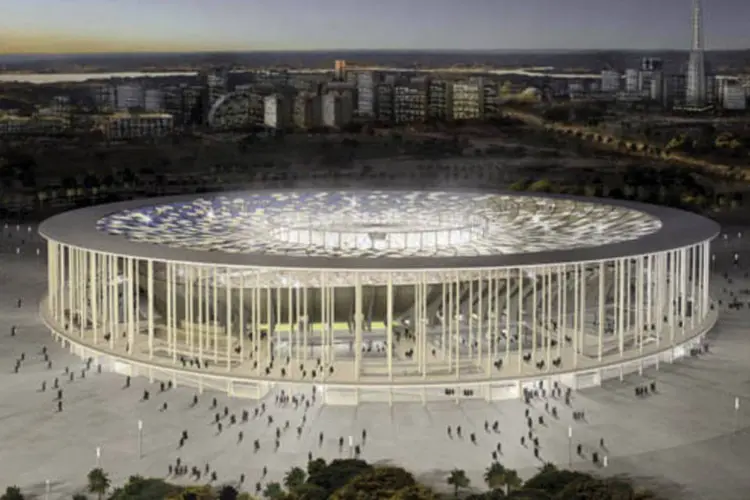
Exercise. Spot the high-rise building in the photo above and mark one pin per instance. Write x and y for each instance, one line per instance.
(154, 100)
(468, 100)
(307, 112)
(631, 80)
(733, 96)
(337, 109)
(277, 111)
(695, 92)
(105, 98)
(610, 81)
(384, 102)
(440, 100)
(339, 70)
(409, 103)
(215, 85)
(366, 93)
(129, 97)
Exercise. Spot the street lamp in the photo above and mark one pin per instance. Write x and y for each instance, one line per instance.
(46, 489)
(570, 447)
(736, 414)
(140, 438)
(98, 456)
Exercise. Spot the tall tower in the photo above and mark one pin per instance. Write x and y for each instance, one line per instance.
(695, 94)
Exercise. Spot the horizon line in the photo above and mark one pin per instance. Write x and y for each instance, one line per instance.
(350, 50)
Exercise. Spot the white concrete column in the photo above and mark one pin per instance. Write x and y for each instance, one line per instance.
(94, 294)
(457, 325)
(534, 317)
(508, 284)
(358, 344)
(470, 319)
(150, 298)
(389, 329)
(621, 305)
(582, 332)
(444, 323)
(228, 292)
(603, 305)
(639, 319)
(520, 326)
(215, 313)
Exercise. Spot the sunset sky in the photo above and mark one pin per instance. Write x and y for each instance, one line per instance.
(59, 26)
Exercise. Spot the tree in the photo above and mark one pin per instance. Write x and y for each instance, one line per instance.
(414, 492)
(458, 480)
(338, 473)
(12, 493)
(228, 492)
(98, 482)
(309, 491)
(273, 491)
(379, 482)
(294, 478)
(494, 476)
(145, 489)
(315, 466)
(80, 496)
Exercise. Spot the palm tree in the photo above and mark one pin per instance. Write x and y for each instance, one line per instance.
(98, 482)
(12, 493)
(511, 480)
(294, 478)
(273, 491)
(458, 480)
(494, 476)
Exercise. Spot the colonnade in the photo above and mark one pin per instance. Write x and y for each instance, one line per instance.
(456, 325)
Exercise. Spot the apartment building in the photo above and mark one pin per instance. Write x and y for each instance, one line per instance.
(154, 101)
(131, 126)
(384, 102)
(440, 100)
(277, 111)
(366, 81)
(468, 100)
(409, 103)
(307, 113)
(337, 109)
(130, 96)
(104, 97)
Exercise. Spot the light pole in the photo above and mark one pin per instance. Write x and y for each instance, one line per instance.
(140, 438)
(98, 456)
(46, 489)
(736, 414)
(570, 447)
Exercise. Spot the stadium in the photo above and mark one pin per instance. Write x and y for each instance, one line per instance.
(387, 295)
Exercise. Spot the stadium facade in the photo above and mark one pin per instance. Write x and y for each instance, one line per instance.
(390, 295)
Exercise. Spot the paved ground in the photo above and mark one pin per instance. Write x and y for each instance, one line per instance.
(682, 439)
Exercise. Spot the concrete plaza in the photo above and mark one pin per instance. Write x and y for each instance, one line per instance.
(686, 439)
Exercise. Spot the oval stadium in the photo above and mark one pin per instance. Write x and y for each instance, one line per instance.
(386, 295)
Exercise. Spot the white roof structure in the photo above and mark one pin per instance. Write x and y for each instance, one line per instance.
(378, 230)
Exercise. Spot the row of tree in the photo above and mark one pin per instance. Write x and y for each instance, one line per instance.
(354, 479)
(670, 186)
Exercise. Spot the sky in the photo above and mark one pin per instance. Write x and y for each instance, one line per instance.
(60, 26)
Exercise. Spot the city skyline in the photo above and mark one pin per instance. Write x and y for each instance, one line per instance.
(85, 26)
